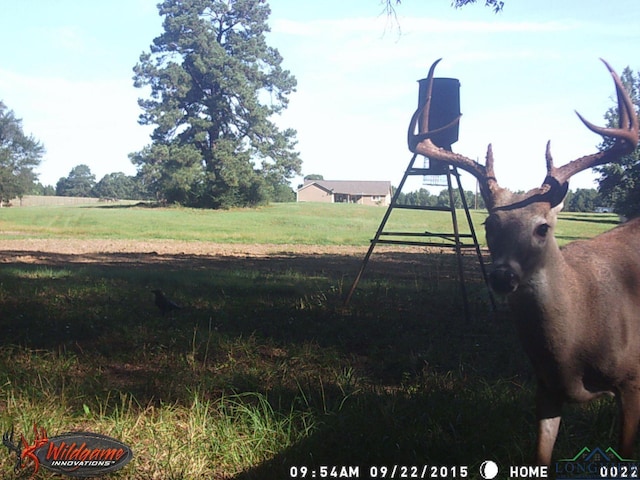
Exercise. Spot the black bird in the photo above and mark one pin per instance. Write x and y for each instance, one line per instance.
(164, 304)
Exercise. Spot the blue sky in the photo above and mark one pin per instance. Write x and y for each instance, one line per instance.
(66, 70)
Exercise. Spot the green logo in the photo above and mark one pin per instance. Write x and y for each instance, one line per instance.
(596, 463)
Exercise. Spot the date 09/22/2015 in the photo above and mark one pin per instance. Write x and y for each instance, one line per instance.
(380, 471)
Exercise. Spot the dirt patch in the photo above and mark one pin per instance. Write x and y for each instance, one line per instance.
(92, 251)
(165, 247)
(388, 261)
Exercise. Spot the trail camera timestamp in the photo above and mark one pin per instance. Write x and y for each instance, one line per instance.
(324, 471)
(380, 471)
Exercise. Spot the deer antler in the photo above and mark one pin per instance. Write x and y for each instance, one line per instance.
(554, 186)
(626, 137)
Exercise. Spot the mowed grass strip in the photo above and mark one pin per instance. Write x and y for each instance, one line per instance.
(289, 223)
(309, 224)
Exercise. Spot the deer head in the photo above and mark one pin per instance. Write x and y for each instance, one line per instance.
(520, 227)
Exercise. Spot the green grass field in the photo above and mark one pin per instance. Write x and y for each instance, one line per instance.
(264, 371)
(289, 223)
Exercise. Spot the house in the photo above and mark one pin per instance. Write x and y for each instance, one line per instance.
(345, 191)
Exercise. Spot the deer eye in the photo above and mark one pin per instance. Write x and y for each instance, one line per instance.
(542, 230)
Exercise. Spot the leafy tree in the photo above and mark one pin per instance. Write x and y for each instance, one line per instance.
(442, 200)
(496, 5)
(215, 85)
(79, 182)
(172, 173)
(420, 197)
(42, 190)
(19, 155)
(423, 198)
(282, 194)
(619, 183)
(582, 200)
(313, 176)
(116, 186)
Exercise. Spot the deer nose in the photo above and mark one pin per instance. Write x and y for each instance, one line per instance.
(504, 280)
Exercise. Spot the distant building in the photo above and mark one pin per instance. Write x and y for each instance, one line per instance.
(604, 209)
(345, 191)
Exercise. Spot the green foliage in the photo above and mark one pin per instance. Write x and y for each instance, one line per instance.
(281, 224)
(496, 5)
(582, 200)
(619, 183)
(172, 172)
(424, 198)
(215, 84)
(282, 194)
(19, 155)
(82, 183)
(313, 176)
(44, 190)
(79, 182)
(118, 186)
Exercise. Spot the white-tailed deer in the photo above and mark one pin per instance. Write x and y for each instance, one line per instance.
(577, 309)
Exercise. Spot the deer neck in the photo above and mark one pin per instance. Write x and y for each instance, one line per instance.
(542, 304)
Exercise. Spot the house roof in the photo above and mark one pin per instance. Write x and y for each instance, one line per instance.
(351, 187)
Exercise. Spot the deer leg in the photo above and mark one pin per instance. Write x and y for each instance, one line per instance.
(548, 412)
(629, 408)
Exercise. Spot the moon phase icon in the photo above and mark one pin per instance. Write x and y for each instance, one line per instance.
(488, 469)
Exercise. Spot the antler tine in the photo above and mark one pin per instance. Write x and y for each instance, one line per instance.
(422, 114)
(421, 143)
(626, 137)
(548, 157)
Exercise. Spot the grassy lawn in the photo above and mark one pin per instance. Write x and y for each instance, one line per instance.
(264, 368)
(289, 223)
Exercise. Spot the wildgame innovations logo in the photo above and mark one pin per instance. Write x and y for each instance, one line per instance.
(596, 463)
(76, 454)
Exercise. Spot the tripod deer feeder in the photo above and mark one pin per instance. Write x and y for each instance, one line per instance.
(440, 97)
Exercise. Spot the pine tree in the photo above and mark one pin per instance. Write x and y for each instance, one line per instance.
(215, 85)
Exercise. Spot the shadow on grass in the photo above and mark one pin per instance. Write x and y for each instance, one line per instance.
(591, 218)
(119, 206)
(448, 425)
(103, 303)
(397, 377)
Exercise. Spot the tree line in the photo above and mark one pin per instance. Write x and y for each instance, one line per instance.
(82, 183)
(580, 200)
